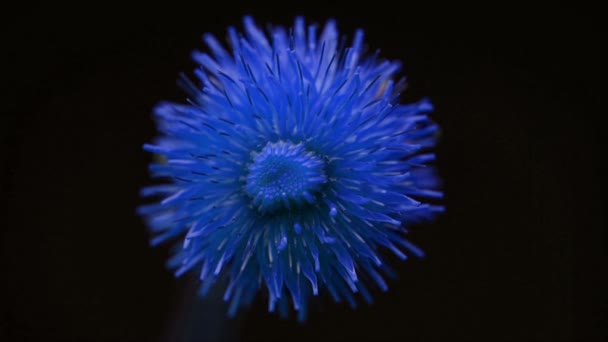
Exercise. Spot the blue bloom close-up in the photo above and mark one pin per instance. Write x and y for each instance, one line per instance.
(292, 169)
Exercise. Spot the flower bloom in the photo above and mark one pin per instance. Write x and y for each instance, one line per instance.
(292, 168)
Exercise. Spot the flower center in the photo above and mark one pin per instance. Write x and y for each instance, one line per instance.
(284, 175)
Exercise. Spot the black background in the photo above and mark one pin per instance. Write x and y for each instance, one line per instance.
(520, 254)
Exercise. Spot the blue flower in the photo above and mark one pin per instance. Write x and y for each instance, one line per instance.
(292, 169)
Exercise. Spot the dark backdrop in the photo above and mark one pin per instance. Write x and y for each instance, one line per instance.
(519, 255)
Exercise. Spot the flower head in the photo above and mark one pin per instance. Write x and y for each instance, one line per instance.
(292, 168)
